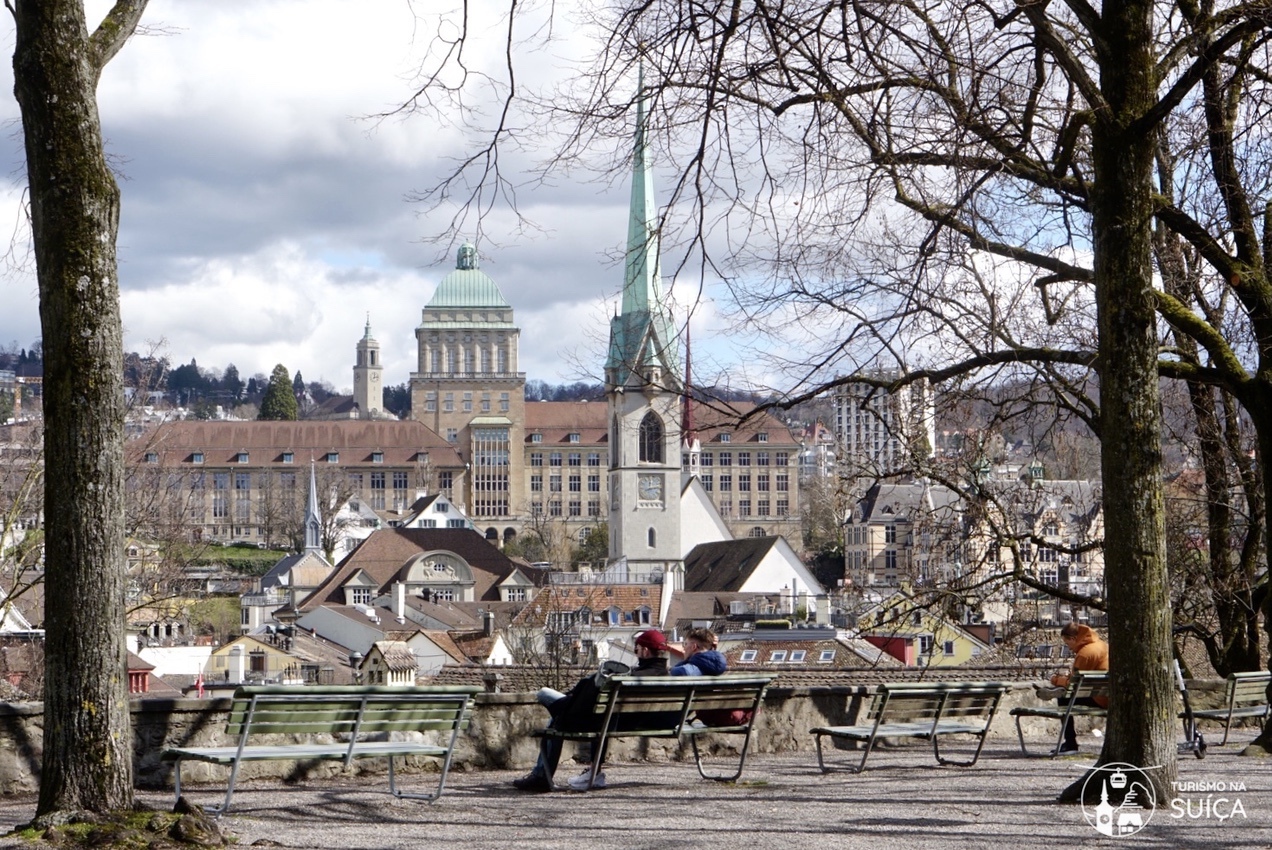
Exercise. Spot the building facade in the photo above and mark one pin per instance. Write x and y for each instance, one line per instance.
(248, 481)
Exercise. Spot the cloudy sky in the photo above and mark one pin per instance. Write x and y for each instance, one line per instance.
(264, 217)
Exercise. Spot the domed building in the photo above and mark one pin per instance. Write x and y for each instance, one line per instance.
(468, 390)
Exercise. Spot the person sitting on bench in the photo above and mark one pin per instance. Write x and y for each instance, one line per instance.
(1089, 653)
(576, 712)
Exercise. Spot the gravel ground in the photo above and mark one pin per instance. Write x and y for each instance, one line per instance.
(903, 801)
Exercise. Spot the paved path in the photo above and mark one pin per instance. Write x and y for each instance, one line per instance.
(903, 801)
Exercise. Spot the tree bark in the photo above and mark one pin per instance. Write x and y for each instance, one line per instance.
(87, 763)
(1141, 722)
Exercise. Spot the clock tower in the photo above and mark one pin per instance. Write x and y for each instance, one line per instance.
(368, 377)
(642, 384)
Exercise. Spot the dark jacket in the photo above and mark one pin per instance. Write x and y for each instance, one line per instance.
(576, 711)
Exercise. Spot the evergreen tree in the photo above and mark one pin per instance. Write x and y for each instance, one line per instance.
(279, 401)
(232, 383)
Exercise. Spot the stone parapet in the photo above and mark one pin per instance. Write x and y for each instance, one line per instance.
(498, 737)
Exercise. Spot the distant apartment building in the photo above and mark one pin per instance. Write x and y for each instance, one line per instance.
(879, 432)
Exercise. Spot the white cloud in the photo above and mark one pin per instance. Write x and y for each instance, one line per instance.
(262, 220)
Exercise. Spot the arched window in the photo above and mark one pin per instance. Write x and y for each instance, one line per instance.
(651, 439)
(653, 538)
(757, 531)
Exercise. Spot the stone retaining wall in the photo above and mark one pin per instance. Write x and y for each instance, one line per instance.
(499, 736)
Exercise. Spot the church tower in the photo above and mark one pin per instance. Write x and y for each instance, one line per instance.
(368, 377)
(642, 384)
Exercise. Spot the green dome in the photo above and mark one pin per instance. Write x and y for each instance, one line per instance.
(468, 285)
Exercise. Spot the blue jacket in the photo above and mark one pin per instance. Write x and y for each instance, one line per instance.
(709, 663)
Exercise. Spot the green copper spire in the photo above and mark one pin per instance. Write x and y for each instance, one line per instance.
(641, 335)
(642, 283)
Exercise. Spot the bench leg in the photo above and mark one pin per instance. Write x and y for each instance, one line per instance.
(409, 795)
(821, 762)
(697, 757)
(1020, 733)
(936, 750)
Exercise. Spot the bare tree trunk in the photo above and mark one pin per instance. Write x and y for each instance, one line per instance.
(1141, 715)
(1262, 745)
(87, 762)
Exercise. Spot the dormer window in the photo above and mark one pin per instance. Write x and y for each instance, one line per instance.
(377, 457)
(536, 438)
(724, 438)
(762, 437)
(333, 457)
(152, 457)
(242, 457)
(573, 438)
(197, 457)
(289, 457)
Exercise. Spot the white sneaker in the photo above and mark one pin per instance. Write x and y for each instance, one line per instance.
(580, 782)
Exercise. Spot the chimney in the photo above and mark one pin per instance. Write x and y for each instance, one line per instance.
(237, 672)
(488, 623)
(399, 601)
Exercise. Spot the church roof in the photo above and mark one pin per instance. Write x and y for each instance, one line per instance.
(467, 285)
(726, 564)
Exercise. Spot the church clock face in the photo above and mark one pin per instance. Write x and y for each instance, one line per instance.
(651, 488)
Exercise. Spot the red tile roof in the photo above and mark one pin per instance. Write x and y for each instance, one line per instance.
(385, 552)
(401, 443)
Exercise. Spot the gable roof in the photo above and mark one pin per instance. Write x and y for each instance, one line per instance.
(450, 644)
(724, 566)
(397, 655)
(384, 553)
(312, 567)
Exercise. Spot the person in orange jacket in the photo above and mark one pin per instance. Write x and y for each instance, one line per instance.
(1089, 653)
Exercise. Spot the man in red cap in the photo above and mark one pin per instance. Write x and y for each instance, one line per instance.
(575, 711)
